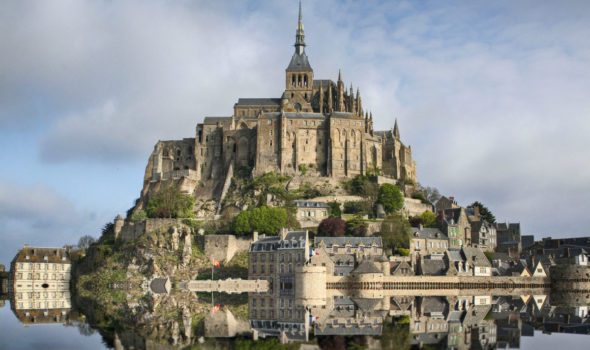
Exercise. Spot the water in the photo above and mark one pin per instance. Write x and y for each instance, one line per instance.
(187, 320)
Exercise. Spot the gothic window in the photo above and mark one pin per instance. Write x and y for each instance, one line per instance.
(298, 107)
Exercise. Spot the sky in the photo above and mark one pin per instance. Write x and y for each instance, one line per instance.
(491, 96)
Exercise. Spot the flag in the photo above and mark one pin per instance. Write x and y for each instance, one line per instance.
(216, 308)
(216, 263)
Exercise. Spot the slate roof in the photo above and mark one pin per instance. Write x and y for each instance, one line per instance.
(160, 285)
(323, 82)
(353, 241)
(310, 204)
(367, 266)
(453, 214)
(215, 120)
(431, 233)
(366, 304)
(42, 255)
(455, 255)
(259, 102)
(480, 257)
(299, 63)
(431, 267)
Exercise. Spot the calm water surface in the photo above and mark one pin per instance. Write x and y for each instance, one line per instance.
(412, 322)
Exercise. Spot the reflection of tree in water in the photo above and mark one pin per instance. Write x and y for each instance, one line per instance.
(396, 333)
(340, 342)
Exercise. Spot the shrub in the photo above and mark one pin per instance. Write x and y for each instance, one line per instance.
(402, 251)
(335, 209)
(356, 227)
(354, 207)
(169, 202)
(333, 227)
(396, 232)
(139, 215)
(391, 198)
(265, 220)
(303, 169)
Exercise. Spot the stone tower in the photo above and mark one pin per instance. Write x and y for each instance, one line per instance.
(299, 76)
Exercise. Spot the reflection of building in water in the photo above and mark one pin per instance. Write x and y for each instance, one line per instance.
(344, 315)
(275, 259)
(3, 281)
(40, 285)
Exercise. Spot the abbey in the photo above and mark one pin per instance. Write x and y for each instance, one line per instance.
(317, 127)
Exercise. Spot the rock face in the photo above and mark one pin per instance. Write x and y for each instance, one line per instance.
(175, 238)
(187, 250)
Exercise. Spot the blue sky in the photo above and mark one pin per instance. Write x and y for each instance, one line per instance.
(492, 97)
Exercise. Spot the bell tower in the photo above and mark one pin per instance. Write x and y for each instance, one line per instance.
(299, 75)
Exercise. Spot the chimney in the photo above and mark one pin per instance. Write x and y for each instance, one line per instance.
(420, 226)
(254, 236)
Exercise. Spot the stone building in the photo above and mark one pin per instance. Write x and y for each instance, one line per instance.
(275, 259)
(317, 127)
(311, 213)
(509, 239)
(455, 224)
(483, 235)
(40, 279)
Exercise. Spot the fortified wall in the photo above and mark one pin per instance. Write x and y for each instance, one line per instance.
(224, 247)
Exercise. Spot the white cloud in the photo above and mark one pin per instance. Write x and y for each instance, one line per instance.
(491, 96)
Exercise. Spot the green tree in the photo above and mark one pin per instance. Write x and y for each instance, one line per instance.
(391, 198)
(169, 202)
(356, 227)
(335, 210)
(264, 220)
(485, 213)
(396, 232)
(426, 219)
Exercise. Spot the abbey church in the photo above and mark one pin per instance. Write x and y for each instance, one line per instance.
(316, 127)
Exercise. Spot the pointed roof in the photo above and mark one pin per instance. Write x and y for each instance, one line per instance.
(367, 267)
(396, 130)
(299, 60)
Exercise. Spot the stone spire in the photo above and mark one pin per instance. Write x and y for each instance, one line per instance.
(359, 104)
(300, 35)
(341, 107)
(321, 98)
(330, 104)
(396, 130)
(351, 106)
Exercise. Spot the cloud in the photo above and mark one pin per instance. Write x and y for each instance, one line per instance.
(492, 96)
(37, 215)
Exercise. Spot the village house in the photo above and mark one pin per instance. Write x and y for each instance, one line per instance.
(509, 239)
(456, 226)
(483, 235)
(40, 279)
(428, 241)
(310, 214)
(364, 246)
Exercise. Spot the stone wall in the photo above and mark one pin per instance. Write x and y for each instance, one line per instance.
(133, 230)
(231, 286)
(415, 207)
(223, 247)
